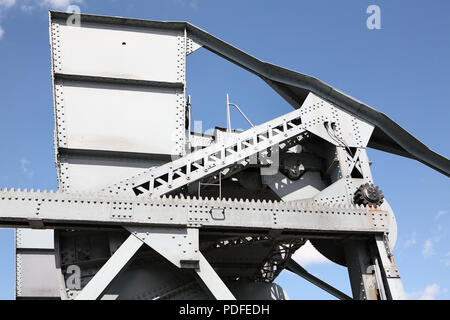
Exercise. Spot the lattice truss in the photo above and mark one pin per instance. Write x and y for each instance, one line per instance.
(238, 149)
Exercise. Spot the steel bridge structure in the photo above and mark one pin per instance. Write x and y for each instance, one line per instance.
(147, 209)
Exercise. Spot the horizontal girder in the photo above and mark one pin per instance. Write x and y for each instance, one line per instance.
(35, 209)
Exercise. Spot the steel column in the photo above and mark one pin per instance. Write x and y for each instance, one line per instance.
(389, 270)
(361, 270)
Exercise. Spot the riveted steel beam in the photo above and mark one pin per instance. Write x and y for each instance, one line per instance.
(62, 210)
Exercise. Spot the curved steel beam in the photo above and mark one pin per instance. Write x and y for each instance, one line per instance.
(284, 80)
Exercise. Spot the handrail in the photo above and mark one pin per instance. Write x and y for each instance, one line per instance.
(229, 117)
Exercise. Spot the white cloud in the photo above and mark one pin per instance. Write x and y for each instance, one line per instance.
(446, 260)
(440, 214)
(30, 5)
(307, 254)
(27, 7)
(429, 293)
(59, 4)
(4, 5)
(25, 166)
(193, 4)
(438, 234)
(427, 250)
(7, 3)
(411, 241)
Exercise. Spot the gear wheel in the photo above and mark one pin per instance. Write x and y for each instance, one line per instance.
(368, 195)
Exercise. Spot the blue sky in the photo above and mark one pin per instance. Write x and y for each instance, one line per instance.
(402, 70)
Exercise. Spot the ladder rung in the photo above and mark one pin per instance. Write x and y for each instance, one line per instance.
(179, 172)
(195, 164)
(277, 131)
(215, 158)
(161, 181)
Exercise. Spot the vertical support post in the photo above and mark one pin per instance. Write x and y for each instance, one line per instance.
(372, 270)
(151, 185)
(61, 279)
(380, 282)
(228, 115)
(188, 169)
(170, 177)
(389, 270)
(220, 185)
(188, 130)
(361, 270)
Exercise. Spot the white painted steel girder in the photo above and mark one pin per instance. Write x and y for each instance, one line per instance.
(36, 209)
